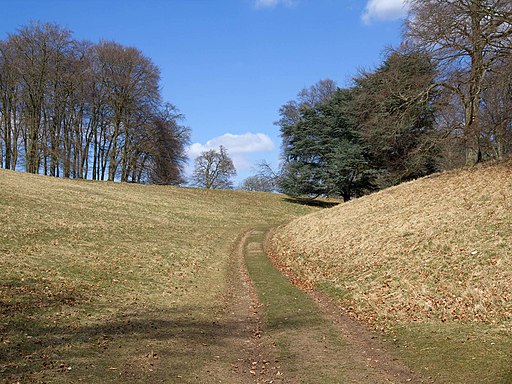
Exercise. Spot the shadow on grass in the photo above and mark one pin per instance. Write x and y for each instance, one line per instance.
(46, 337)
(312, 202)
(31, 344)
(26, 297)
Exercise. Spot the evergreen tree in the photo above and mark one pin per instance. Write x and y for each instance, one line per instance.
(323, 152)
(394, 108)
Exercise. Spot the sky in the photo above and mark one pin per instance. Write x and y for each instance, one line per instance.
(228, 65)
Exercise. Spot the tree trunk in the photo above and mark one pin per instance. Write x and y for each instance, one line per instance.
(472, 130)
(32, 151)
(113, 153)
(7, 139)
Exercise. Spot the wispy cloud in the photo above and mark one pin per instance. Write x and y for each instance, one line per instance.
(239, 147)
(385, 10)
(260, 4)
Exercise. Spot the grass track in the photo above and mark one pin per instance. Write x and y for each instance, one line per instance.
(104, 282)
(310, 347)
(305, 341)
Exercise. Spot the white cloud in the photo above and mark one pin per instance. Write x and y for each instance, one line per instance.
(385, 10)
(273, 3)
(235, 144)
(238, 147)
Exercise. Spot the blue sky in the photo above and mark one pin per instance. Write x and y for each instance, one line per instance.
(229, 65)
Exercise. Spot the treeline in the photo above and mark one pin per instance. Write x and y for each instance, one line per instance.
(441, 101)
(75, 109)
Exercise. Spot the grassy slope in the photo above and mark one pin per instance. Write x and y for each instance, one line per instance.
(430, 261)
(106, 282)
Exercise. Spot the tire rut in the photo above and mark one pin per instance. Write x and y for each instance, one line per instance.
(315, 342)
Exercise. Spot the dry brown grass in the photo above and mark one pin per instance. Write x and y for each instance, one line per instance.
(97, 276)
(428, 262)
(436, 249)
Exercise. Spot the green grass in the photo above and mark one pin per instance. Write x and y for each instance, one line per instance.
(334, 291)
(104, 282)
(284, 305)
(468, 353)
(309, 350)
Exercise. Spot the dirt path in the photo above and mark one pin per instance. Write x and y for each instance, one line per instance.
(272, 332)
(241, 356)
(304, 338)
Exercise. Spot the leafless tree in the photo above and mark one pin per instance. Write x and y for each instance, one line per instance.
(256, 183)
(306, 98)
(166, 147)
(133, 83)
(214, 170)
(265, 179)
(75, 109)
(10, 110)
(37, 53)
(467, 38)
(497, 110)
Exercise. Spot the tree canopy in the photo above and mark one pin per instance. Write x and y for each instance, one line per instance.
(441, 100)
(469, 39)
(397, 124)
(214, 170)
(323, 152)
(75, 109)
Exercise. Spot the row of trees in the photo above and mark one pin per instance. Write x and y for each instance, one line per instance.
(75, 109)
(442, 100)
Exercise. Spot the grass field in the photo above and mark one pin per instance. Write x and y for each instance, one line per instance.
(104, 282)
(428, 262)
(108, 282)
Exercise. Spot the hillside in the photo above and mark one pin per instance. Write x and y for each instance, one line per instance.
(429, 256)
(107, 282)
(101, 281)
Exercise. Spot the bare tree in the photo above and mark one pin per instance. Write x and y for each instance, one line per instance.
(265, 179)
(37, 53)
(133, 83)
(321, 91)
(9, 106)
(65, 104)
(166, 147)
(257, 183)
(214, 170)
(310, 97)
(466, 37)
(497, 110)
